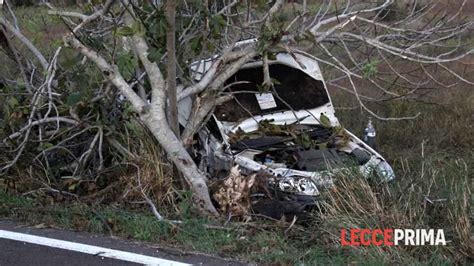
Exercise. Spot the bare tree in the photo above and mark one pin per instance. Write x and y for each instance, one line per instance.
(389, 45)
(170, 10)
(365, 43)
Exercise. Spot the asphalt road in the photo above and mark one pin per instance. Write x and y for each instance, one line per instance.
(18, 252)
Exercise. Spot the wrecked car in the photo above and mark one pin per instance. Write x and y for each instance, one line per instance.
(289, 131)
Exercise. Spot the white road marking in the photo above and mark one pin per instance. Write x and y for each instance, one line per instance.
(88, 249)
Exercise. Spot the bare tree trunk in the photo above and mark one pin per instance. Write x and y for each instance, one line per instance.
(170, 11)
(156, 122)
(172, 107)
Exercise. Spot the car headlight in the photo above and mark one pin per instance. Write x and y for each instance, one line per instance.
(385, 171)
(298, 185)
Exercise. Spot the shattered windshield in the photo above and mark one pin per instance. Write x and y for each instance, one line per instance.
(293, 89)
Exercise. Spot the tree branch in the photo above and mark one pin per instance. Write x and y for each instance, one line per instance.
(26, 42)
(110, 72)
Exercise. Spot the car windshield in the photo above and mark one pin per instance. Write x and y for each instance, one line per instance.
(293, 89)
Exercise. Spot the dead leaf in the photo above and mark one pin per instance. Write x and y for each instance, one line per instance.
(233, 193)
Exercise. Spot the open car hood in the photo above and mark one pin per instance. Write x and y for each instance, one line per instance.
(299, 94)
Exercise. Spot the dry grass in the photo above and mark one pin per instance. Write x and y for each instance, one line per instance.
(147, 171)
(440, 199)
(433, 160)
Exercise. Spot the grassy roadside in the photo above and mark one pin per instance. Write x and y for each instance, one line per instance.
(264, 243)
(355, 203)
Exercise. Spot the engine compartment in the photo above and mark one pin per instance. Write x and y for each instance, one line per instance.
(299, 147)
